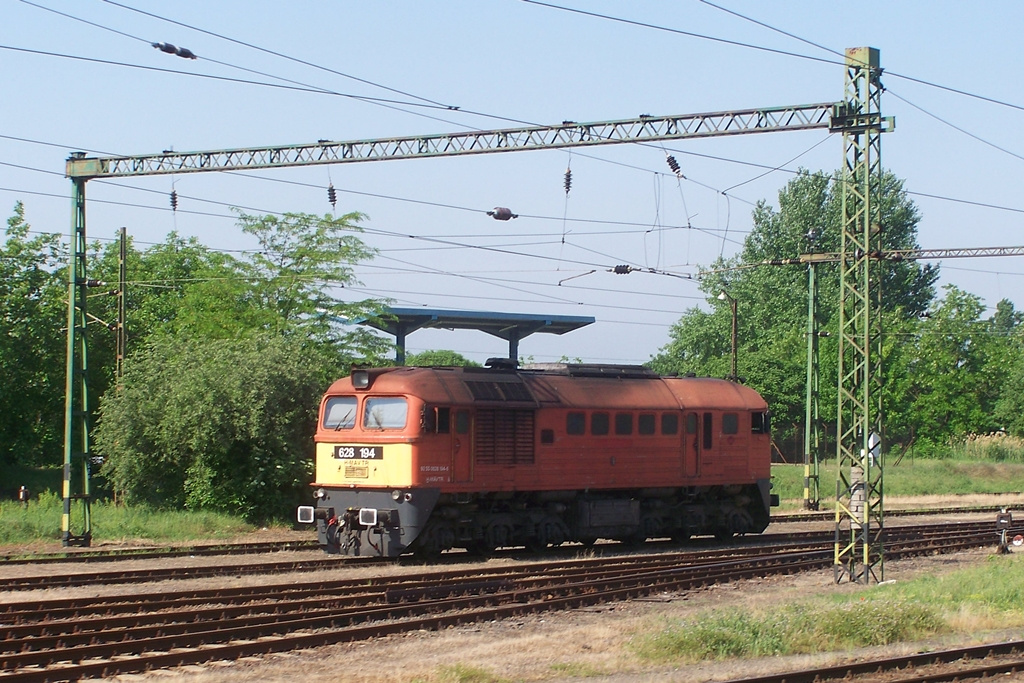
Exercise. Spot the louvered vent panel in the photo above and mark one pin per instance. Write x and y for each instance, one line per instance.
(485, 391)
(499, 391)
(515, 392)
(504, 437)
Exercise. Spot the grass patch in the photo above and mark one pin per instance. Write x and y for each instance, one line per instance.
(997, 447)
(991, 596)
(916, 477)
(41, 520)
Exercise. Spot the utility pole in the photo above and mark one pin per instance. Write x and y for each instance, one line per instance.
(76, 483)
(812, 413)
(122, 308)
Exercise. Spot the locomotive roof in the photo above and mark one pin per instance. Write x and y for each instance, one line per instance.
(559, 385)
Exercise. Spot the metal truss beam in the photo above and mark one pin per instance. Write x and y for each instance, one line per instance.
(567, 134)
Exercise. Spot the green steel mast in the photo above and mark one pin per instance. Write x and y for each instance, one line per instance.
(859, 531)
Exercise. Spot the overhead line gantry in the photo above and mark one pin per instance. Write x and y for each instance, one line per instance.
(857, 117)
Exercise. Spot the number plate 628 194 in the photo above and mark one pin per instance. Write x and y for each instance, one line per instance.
(359, 452)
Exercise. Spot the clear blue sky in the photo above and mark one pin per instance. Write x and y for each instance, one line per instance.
(529, 63)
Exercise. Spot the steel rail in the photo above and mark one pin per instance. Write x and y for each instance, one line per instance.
(910, 662)
(324, 563)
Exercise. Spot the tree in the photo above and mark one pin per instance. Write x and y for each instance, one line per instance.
(954, 386)
(213, 424)
(772, 299)
(1007, 366)
(216, 406)
(33, 314)
(439, 358)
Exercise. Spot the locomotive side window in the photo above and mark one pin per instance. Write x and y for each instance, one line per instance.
(707, 430)
(385, 412)
(623, 423)
(575, 424)
(759, 423)
(444, 420)
(599, 424)
(462, 422)
(340, 413)
(669, 423)
(691, 423)
(645, 423)
(731, 423)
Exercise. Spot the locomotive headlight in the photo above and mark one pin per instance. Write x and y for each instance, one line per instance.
(396, 495)
(320, 494)
(360, 379)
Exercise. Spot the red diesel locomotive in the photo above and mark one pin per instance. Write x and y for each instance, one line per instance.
(422, 460)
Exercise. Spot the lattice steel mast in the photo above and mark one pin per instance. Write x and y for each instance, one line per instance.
(859, 531)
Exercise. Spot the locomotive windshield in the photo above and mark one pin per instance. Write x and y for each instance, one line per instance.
(340, 413)
(385, 413)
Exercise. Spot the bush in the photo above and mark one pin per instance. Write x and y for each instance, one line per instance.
(223, 425)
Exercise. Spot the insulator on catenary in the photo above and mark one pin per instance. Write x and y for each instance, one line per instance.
(182, 52)
(674, 165)
(568, 180)
(174, 200)
(622, 270)
(501, 213)
(332, 196)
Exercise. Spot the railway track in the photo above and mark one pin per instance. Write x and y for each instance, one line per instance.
(88, 637)
(111, 555)
(158, 553)
(959, 664)
(322, 563)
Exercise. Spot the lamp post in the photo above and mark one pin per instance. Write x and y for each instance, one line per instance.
(723, 296)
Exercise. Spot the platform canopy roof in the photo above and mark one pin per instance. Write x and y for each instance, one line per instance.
(508, 326)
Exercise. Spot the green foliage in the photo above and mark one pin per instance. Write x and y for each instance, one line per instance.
(220, 425)
(790, 629)
(995, 447)
(439, 358)
(1008, 365)
(772, 300)
(33, 291)
(953, 388)
(40, 520)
